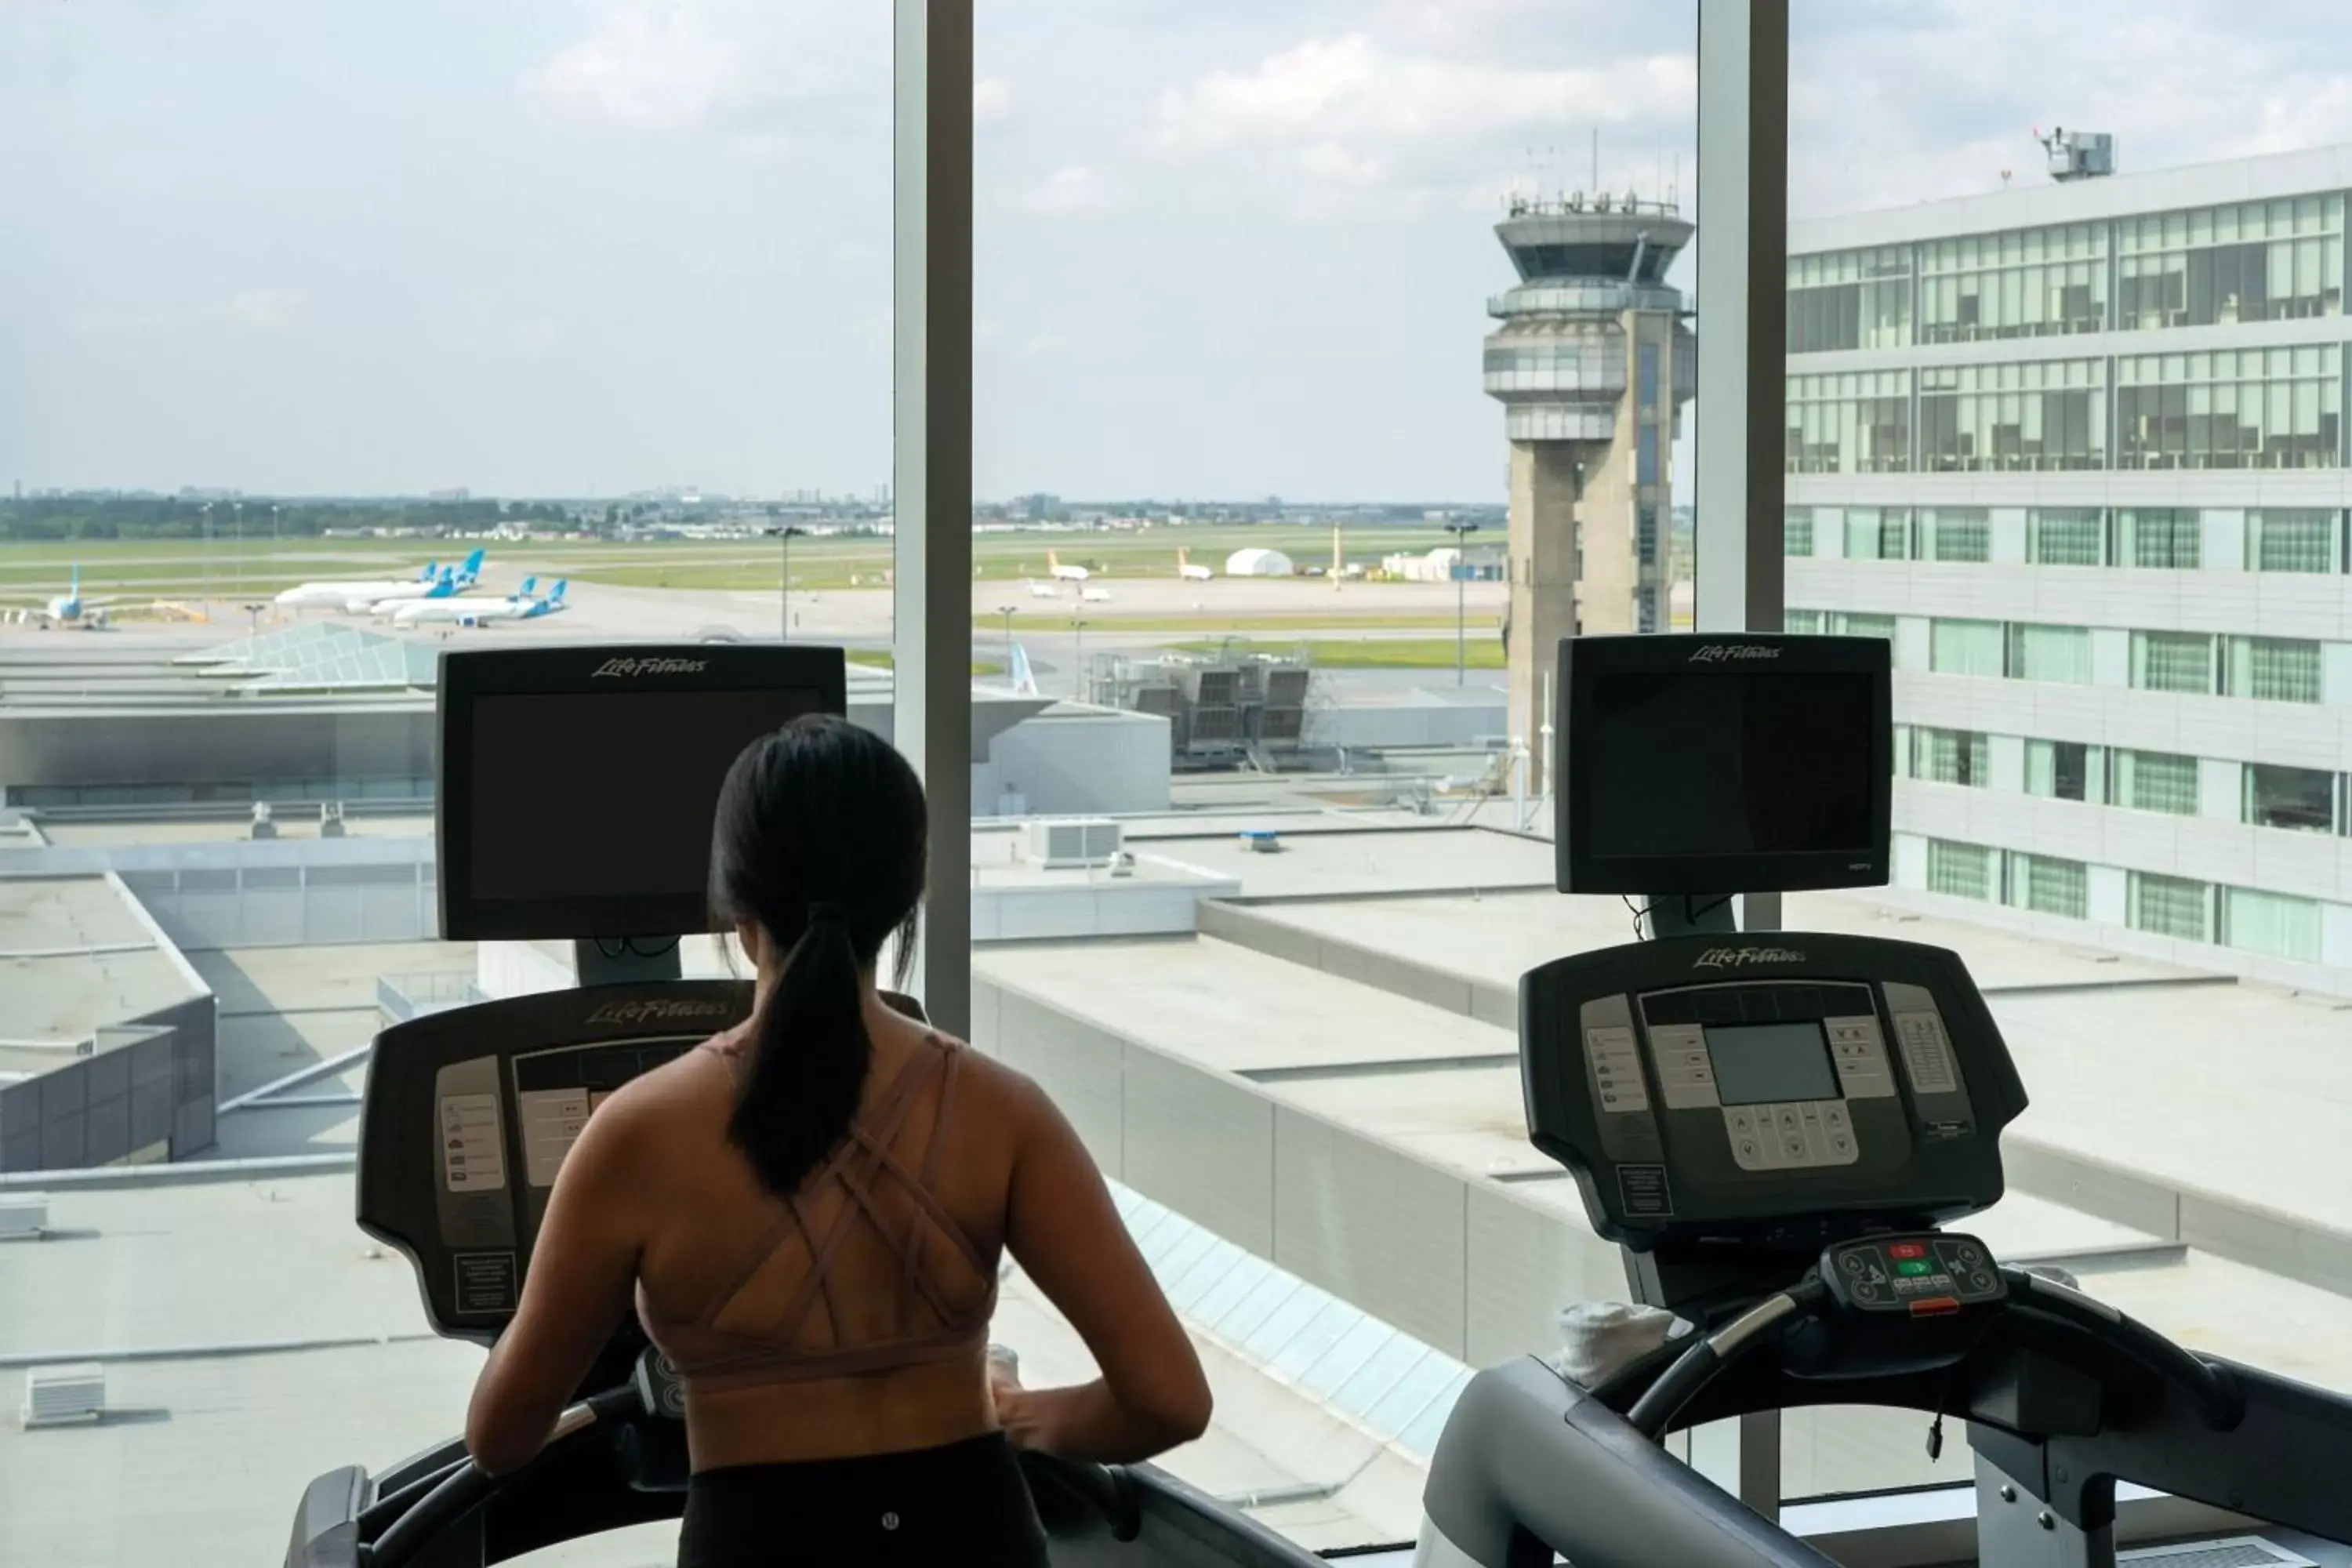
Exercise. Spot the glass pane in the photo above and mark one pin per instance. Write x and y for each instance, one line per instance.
(2152, 596)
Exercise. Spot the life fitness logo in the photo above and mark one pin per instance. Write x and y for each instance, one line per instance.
(1728, 652)
(623, 668)
(1741, 957)
(654, 1012)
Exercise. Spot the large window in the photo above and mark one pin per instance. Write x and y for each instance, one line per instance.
(2255, 261)
(2050, 653)
(2013, 417)
(2049, 886)
(2300, 799)
(1850, 300)
(2173, 662)
(2301, 539)
(2157, 781)
(2065, 770)
(2170, 906)
(2272, 924)
(1797, 532)
(1955, 533)
(1877, 533)
(1965, 648)
(1856, 423)
(2162, 538)
(2274, 670)
(1950, 756)
(1961, 871)
(2066, 536)
(2233, 408)
(2028, 283)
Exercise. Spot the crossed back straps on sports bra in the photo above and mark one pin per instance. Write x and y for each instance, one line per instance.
(711, 1357)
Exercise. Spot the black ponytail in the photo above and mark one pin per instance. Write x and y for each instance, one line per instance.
(820, 840)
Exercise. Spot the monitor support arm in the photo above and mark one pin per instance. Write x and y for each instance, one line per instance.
(624, 961)
(1688, 914)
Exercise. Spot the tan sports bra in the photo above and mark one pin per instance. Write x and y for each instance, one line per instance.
(709, 1357)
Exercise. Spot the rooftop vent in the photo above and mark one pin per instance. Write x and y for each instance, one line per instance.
(56, 1396)
(1079, 842)
(23, 1216)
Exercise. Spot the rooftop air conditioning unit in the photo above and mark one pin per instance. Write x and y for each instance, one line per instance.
(23, 1216)
(56, 1396)
(1075, 843)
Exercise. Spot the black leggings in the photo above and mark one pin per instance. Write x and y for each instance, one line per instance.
(964, 1503)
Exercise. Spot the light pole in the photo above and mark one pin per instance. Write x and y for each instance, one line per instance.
(784, 537)
(1078, 657)
(237, 511)
(1461, 533)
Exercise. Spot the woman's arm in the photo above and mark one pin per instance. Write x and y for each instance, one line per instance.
(1067, 1234)
(582, 1274)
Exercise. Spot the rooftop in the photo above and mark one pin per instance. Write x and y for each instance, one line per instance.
(74, 956)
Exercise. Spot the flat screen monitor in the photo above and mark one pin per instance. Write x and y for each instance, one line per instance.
(577, 785)
(1722, 764)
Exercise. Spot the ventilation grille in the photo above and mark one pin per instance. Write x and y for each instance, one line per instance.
(2235, 1551)
(56, 1395)
(1082, 842)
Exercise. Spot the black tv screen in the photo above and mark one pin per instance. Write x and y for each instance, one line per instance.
(578, 785)
(1687, 768)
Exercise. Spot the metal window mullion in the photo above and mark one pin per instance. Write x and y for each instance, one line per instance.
(932, 469)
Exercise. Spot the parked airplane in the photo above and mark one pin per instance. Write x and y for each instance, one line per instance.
(1043, 591)
(1189, 573)
(363, 596)
(1024, 678)
(519, 606)
(65, 609)
(1094, 595)
(1062, 573)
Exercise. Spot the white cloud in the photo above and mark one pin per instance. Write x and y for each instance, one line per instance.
(649, 65)
(1070, 191)
(992, 101)
(267, 309)
(1348, 91)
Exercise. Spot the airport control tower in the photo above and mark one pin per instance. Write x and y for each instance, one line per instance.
(1592, 362)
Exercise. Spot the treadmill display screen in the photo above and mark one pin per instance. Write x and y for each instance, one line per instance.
(634, 775)
(1723, 763)
(1771, 1064)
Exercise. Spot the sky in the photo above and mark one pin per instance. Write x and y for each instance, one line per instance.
(1224, 248)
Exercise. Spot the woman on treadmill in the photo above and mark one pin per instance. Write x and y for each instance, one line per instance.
(810, 1210)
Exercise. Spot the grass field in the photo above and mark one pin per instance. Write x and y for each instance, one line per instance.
(169, 567)
(1478, 652)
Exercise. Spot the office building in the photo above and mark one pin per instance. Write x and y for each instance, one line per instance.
(2079, 450)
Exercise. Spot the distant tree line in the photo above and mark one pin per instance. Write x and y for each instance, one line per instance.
(164, 517)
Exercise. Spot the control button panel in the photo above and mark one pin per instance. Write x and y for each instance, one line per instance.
(1792, 1136)
(1859, 1054)
(1616, 1064)
(1686, 1072)
(1927, 1053)
(1926, 1275)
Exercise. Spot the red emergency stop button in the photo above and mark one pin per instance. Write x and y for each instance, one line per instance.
(1936, 1306)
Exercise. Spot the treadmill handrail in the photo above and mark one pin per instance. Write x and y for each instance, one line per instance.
(2219, 1399)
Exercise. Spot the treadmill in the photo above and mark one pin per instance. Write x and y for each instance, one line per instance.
(576, 789)
(1776, 1129)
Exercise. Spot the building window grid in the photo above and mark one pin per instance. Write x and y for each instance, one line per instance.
(2157, 781)
(1961, 871)
(1849, 299)
(2292, 799)
(2170, 906)
(2066, 537)
(2019, 284)
(1966, 647)
(2179, 662)
(2230, 408)
(2300, 539)
(2277, 925)
(1854, 422)
(2163, 539)
(2038, 416)
(1955, 534)
(1797, 532)
(2273, 669)
(2252, 261)
(2049, 886)
(1951, 756)
(1877, 533)
(1858, 624)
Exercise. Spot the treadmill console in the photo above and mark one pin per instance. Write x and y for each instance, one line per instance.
(470, 1111)
(1716, 1082)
